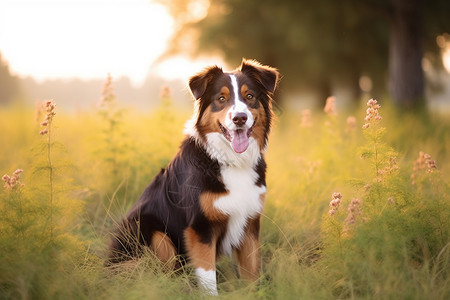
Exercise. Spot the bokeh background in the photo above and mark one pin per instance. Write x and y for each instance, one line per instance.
(393, 50)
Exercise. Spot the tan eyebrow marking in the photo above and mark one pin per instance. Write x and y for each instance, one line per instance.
(244, 89)
(225, 91)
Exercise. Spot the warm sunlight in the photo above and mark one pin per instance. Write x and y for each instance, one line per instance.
(446, 59)
(86, 39)
(182, 67)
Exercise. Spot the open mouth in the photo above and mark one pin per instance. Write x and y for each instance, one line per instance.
(238, 138)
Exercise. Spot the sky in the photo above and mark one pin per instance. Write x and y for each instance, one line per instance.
(51, 39)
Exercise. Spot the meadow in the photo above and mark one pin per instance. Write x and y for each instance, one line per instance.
(358, 204)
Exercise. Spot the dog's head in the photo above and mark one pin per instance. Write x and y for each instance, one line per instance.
(234, 107)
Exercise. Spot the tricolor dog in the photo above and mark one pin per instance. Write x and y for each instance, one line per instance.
(209, 199)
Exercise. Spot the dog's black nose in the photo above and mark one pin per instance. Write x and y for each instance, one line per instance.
(239, 119)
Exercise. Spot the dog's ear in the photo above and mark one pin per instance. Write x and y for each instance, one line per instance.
(199, 82)
(266, 75)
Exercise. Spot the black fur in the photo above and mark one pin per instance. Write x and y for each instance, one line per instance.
(170, 203)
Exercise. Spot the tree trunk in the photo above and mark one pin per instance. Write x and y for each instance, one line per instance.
(406, 82)
(324, 90)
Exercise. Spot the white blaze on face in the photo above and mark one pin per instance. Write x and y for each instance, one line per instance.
(239, 132)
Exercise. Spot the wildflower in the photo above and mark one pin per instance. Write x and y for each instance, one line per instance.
(6, 178)
(336, 195)
(13, 180)
(306, 118)
(354, 210)
(351, 124)
(393, 167)
(420, 162)
(49, 108)
(17, 172)
(165, 92)
(431, 165)
(334, 203)
(372, 113)
(165, 96)
(330, 106)
(424, 161)
(108, 95)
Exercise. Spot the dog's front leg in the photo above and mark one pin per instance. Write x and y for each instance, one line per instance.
(202, 256)
(248, 254)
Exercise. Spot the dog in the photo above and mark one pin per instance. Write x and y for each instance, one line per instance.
(209, 199)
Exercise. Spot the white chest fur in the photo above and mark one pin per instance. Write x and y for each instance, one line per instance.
(241, 203)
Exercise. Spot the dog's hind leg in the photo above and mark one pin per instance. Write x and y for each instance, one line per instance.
(164, 249)
(126, 243)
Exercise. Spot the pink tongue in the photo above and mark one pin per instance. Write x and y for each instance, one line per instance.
(240, 141)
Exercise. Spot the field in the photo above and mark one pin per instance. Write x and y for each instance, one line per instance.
(351, 212)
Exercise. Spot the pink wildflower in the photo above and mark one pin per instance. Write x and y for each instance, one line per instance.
(354, 210)
(165, 92)
(306, 118)
(351, 124)
(49, 109)
(424, 161)
(372, 113)
(13, 180)
(17, 172)
(390, 169)
(108, 95)
(334, 203)
(330, 106)
(336, 195)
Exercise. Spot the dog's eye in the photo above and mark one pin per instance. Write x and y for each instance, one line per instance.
(222, 99)
(249, 96)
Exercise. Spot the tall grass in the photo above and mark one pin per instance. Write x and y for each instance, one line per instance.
(351, 212)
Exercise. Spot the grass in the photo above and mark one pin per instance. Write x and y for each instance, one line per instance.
(390, 243)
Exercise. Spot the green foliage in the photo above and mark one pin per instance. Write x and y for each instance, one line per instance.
(388, 237)
(400, 233)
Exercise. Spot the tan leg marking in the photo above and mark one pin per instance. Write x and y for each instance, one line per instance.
(200, 254)
(163, 247)
(249, 257)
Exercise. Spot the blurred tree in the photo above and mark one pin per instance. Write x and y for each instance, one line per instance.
(8, 84)
(414, 26)
(321, 43)
(406, 83)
